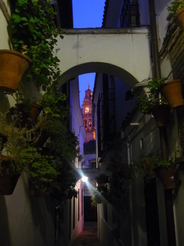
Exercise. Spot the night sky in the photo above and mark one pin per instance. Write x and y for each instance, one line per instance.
(87, 14)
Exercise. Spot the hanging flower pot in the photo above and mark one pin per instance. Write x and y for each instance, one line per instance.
(161, 115)
(34, 112)
(8, 176)
(3, 139)
(172, 91)
(180, 19)
(166, 176)
(13, 67)
(150, 172)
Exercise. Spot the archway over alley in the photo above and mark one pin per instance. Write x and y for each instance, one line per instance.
(123, 53)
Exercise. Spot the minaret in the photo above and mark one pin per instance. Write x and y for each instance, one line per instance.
(87, 114)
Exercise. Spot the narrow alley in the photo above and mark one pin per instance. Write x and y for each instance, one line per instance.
(88, 236)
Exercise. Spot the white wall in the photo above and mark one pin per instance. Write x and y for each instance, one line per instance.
(4, 38)
(77, 127)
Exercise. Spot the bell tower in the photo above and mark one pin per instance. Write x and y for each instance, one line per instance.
(87, 114)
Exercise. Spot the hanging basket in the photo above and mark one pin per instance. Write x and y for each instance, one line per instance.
(8, 177)
(13, 67)
(180, 19)
(172, 91)
(161, 115)
(166, 176)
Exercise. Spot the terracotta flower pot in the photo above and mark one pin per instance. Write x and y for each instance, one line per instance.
(8, 176)
(161, 115)
(150, 173)
(172, 91)
(3, 139)
(180, 19)
(166, 176)
(13, 67)
(34, 112)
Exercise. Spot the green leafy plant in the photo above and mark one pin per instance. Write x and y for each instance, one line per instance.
(40, 169)
(14, 139)
(96, 199)
(66, 181)
(165, 163)
(34, 33)
(102, 181)
(53, 103)
(155, 85)
(175, 7)
(119, 174)
(110, 187)
(153, 97)
(145, 104)
(147, 165)
(56, 115)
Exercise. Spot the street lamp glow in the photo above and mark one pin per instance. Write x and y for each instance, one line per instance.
(84, 179)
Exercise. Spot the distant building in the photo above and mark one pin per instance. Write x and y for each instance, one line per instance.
(89, 161)
(87, 115)
(90, 140)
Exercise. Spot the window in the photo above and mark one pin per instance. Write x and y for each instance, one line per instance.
(85, 123)
(130, 16)
(86, 110)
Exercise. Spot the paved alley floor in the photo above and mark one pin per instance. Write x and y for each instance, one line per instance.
(88, 237)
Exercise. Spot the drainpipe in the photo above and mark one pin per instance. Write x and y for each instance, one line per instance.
(4, 10)
(163, 131)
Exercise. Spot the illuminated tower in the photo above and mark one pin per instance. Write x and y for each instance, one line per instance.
(87, 114)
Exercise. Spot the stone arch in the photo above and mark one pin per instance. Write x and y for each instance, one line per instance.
(99, 67)
(124, 53)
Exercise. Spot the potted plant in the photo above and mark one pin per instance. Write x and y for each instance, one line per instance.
(9, 175)
(13, 68)
(96, 199)
(12, 141)
(66, 181)
(172, 91)
(54, 120)
(154, 103)
(30, 107)
(176, 10)
(152, 165)
(166, 170)
(111, 186)
(145, 166)
(40, 170)
(102, 181)
(33, 32)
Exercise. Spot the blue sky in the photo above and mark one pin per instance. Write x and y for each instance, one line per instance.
(87, 14)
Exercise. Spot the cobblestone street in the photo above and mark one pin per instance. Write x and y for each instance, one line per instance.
(88, 237)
